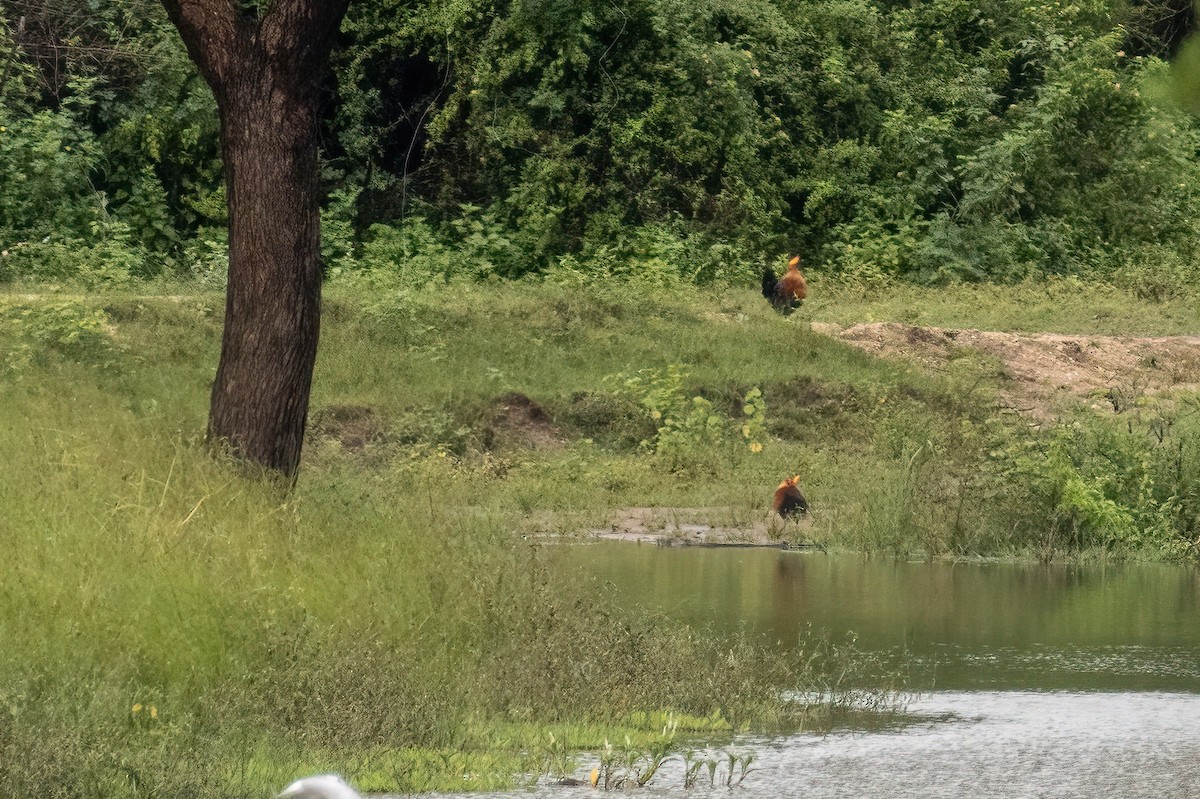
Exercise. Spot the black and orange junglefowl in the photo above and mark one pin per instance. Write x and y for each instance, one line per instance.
(788, 500)
(788, 291)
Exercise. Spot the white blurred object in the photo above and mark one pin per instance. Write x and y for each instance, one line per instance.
(322, 786)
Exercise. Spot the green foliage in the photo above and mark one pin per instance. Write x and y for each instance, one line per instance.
(35, 333)
(412, 252)
(46, 159)
(688, 430)
(684, 427)
(754, 430)
(937, 142)
(940, 141)
(1125, 485)
(107, 134)
(472, 245)
(205, 258)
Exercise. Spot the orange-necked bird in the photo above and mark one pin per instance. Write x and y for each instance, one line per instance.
(788, 500)
(788, 291)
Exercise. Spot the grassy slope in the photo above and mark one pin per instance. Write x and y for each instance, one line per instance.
(387, 619)
(1066, 305)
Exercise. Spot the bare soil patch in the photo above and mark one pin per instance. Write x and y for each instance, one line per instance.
(1044, 370)
(519, 422)
(352, 426)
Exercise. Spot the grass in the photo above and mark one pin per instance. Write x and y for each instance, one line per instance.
(173, 628)
(1068, 305)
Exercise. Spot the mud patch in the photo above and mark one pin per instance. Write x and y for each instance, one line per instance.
(519, 422)
(1044, 369)
(352, 426)
(698, 527)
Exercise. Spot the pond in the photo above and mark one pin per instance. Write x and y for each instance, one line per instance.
(1062, 681)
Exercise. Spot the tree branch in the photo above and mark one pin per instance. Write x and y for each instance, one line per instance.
(214, 34)
(299, 33)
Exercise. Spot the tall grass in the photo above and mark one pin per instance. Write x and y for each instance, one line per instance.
(171, 628)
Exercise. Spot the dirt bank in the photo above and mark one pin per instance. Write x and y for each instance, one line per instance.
(1042, 371)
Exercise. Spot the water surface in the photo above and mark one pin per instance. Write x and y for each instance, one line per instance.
(1012, 744)
(997, 626)
(1048, 681)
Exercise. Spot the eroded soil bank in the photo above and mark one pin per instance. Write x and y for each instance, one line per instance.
(1043, 372)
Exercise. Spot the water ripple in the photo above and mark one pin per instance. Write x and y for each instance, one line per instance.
(978, 744)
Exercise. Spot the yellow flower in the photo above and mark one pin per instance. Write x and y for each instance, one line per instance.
(756, 447)
(153, 712)
(137, 708)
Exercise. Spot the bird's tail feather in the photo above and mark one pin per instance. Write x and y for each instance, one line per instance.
(768, 283)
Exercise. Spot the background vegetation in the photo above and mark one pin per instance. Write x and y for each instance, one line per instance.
(935, 141)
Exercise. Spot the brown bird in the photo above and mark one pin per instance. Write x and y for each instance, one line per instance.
(788, 500)
(788, 291)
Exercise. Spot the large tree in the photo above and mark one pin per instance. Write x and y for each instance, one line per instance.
(265, 63)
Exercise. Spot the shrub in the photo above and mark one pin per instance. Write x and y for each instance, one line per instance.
(66, 329)
(1124, 485)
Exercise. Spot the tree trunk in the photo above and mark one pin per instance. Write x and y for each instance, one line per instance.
(265, 74)
(273, 299)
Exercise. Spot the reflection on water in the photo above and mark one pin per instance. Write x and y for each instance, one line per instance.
(976, 625)
(979, 744)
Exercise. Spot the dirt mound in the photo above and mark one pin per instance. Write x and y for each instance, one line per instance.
(352, 426)
(519, 422)
(1043, 369)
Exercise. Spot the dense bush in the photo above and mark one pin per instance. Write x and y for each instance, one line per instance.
(1127, 484)
(935, 141)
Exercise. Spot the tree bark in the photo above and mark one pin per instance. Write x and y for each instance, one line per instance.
(265, 73)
